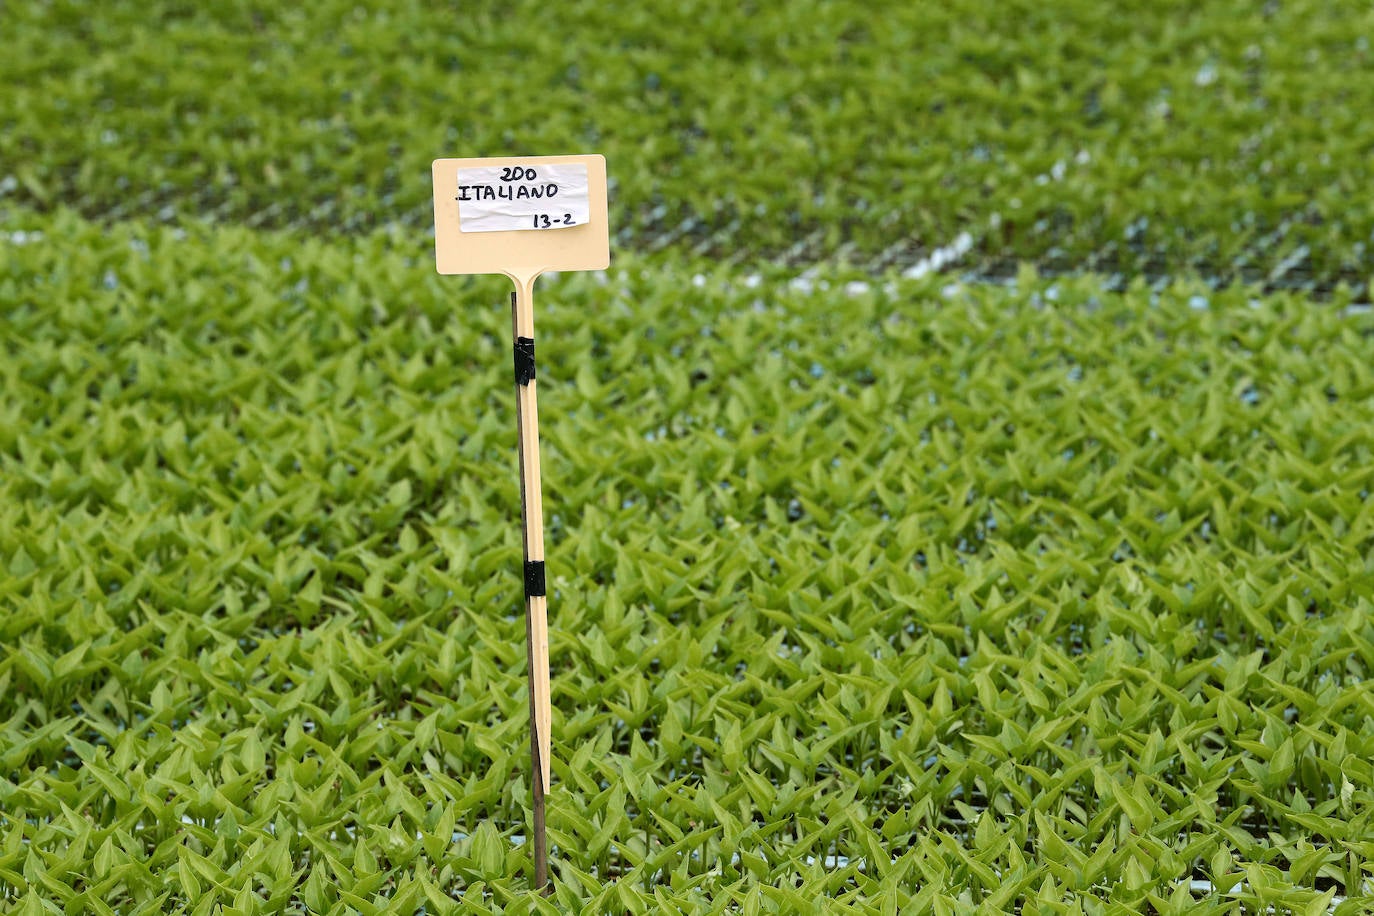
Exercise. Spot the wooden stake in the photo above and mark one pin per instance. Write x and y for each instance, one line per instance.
(559, 223)
(536, 600)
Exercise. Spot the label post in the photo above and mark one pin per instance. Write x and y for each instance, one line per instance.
(521, 216)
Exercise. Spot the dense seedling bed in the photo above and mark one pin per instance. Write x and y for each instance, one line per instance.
(1231, 139)
(896, 597)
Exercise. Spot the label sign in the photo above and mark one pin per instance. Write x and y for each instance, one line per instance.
(514, 197)
(520, 216)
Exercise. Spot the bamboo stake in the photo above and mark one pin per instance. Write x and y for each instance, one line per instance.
(536, 600)
(560, 224)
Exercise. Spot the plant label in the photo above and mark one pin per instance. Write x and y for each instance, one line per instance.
(520, 216)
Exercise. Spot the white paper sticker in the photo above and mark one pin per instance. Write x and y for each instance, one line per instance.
(509, 197)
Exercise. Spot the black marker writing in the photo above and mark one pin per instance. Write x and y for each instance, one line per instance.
(506, 192)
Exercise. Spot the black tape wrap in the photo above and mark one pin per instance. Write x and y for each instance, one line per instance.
(524, 360)
(534, 579)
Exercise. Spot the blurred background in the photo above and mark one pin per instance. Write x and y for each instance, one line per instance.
(1225, 140)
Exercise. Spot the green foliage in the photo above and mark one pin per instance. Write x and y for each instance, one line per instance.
(885, 597)
(1227, 136)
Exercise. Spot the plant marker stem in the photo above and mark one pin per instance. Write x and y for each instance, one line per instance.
(536, 601)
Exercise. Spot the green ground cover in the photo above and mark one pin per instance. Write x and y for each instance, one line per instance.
(1230, 138)
(882, 594)
(893, 595)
